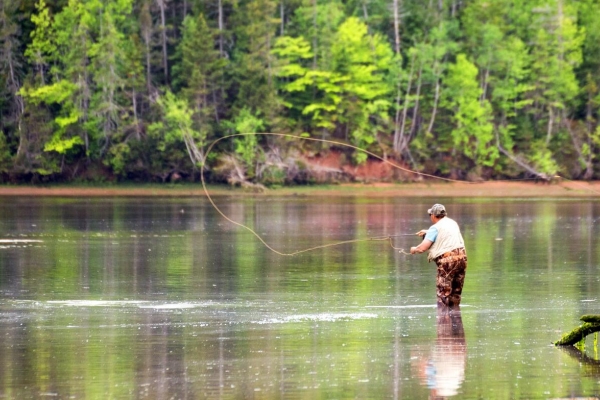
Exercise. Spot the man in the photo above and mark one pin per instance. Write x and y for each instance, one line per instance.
(447, 248)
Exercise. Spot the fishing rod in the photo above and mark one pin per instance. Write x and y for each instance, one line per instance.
(403, 234)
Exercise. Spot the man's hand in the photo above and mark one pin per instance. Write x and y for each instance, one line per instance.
(413, 250)
(421, 233)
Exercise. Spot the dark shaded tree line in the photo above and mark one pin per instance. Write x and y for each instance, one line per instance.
(136, 89)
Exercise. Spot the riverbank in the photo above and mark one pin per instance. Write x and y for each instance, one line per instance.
(503, 189)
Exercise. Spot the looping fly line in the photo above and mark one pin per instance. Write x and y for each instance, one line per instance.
(333, 142)
(382, 238)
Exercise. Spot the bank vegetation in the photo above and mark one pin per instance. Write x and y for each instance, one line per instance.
(135, 90)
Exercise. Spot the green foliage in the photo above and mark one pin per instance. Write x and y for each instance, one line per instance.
(255, 27)
(176, 127)
(199, 74)
(6, 158)
(353, 95)
(318, 23)
(42, 45)
(246, 147)
(81, 79)
(542, 159)
(63, 138)
(119, 158)
(473, 129)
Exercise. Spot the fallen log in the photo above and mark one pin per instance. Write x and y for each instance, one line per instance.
(591, 318)
(591, 324)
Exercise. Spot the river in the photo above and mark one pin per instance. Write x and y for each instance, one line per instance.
(163, 298)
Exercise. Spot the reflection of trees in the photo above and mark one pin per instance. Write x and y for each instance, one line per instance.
(443, 371)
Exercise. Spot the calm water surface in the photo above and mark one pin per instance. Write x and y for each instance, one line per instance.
(163, 298)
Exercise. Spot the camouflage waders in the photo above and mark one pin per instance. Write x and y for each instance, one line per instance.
(451, 267)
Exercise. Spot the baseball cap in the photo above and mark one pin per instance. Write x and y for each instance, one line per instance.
(437, 210)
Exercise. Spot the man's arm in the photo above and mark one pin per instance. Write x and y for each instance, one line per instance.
(423, 247)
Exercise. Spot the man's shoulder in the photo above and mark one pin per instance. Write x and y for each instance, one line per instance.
(447, 220)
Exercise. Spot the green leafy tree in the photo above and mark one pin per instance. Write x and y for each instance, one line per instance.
(70, 90)
(429, 62)
(472, 134)
(504, 64)
(293, 58)
(246, 147)
(42, 46)
(353, 98)
(318, 23)
(176, 127)
(422, 89)
(312, 93)
(366, 63)
(556, 54)
(108, 64)
(60, 93)
(81, 82)
(585, 133)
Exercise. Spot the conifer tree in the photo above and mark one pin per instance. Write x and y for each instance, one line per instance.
(199, 73)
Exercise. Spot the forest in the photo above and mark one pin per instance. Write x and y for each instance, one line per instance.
(136, 90)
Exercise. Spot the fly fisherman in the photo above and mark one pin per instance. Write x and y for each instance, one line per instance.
(447, 248)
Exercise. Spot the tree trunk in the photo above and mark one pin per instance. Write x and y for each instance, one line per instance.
(401, 137)
(589, 169)
(436, 100)
(268, 55)
(484, 87)
(146, 28)
(214, 94)
(282, 16)
(314, 3)
(396, 8)
(85, 97)
(519, 162)
(397, 120)
(163, 26)
(589, 172)
(366, 15)
(220, 6)
(398, 137)
(135, 115)
(550, 124)
(413, 123)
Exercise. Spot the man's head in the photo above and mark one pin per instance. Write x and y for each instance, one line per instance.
(437, 210)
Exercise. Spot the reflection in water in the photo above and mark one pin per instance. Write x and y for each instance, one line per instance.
(589, 366)
(443, 370)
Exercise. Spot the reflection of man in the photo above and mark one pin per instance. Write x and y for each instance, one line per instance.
(447, 248)
(444, 371)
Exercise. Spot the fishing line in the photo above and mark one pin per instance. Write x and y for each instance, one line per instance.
(578, 184)
(333, 142)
